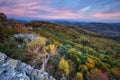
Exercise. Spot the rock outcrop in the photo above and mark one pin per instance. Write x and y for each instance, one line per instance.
(9, 22)
(11, 69)
(3, 17)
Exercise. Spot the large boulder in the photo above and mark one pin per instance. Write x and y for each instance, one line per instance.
(11, 69)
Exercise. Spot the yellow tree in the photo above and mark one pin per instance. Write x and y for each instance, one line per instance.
(63, 65)
(51, 49)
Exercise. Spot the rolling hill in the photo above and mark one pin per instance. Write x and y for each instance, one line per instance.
(107, 29)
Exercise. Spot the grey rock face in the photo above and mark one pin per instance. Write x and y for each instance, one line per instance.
(11, 69)
(28, 36)
(2, 58)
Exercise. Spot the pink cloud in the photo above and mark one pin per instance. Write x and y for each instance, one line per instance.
(1, 1)
(106, 15)
(21, 9)
(67, 14)
(27, 11)
(57, 14)
(41, 7)
(27, 4)
(21, 12)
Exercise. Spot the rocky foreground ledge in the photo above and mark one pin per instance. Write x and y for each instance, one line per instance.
(11, 69)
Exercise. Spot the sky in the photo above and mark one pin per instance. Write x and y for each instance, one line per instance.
(81, 10)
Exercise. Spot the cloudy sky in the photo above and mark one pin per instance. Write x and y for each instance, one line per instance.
(83, 10)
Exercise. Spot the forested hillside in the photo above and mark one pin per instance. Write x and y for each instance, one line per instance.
(86, 52)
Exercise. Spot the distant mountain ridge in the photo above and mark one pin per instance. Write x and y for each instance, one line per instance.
(107, 29)
(111, 30)
(22, 21)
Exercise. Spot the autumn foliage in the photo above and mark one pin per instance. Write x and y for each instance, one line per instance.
(63, 65)
(97, 74)
(90, 63)
(36, 46)
(116, 72)
(51, 49)
(79, 76)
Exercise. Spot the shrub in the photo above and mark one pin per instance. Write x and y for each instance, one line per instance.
(37, 45)
(7, 31)
(97, 74)
(10, 48)
(74, 55)
(79, 76)
(35, 51)
(116, 72)
(90, 63)
(83, 68)
(64, 49)
(18, 28)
